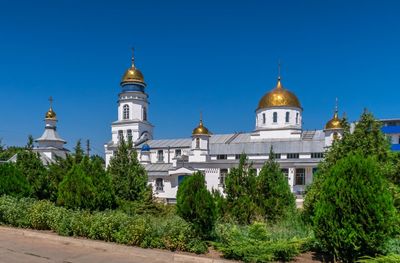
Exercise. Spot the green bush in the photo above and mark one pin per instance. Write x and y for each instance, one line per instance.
(195, 203)
(148, 231)
(381, 259)
(354, 214)
(12, 181)
(260, 242)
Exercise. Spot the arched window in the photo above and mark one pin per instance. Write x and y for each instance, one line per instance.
(197, 143)
(144, 114)
(275, 117)
(263, 118)
(297, 118)
(125, 112)
(287, 116)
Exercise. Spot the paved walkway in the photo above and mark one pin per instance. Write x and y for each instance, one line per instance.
(21, 245)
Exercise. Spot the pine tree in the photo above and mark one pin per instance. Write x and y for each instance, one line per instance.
(12, 182)
(274, 197)
(354, 214)
(128, 175)
(76, 189)
(195, 204)
(240, 190)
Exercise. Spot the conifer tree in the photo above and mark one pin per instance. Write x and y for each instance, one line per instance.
(128, 175)
(12, 182)
(274, 197)
(195, 203)
(240, 190)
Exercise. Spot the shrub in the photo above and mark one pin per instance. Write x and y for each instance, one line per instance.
(355, 213)
(15, 211)
(381, 259)
(12, 182)
(38, 215)
(195, 203)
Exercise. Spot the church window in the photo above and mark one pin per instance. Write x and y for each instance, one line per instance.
(317, 155)
(297, 118)
(263, 118)
(399, 140)
(222, 176)
(287, 116)
(120, 135)
(222, 157)
(275, 117)
(300, 176)
(197, 143)
(293, 156)
(277, 156)
(285, 172)
(144, 114)
(159, 184)
(125, 112)
(129, 132)
(178, 152)
(160, 156)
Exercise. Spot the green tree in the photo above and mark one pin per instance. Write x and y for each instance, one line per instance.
(195, 203)
(240, 190)
(354, 213)
(30, 165)
(76, 189)
(367, 139)
(128, 175)
(274, 197)
(12, 182)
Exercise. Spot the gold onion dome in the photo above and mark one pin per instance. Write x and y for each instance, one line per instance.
(279, 97)
(201, 129)
(132, 74)
(50, 114)
(334, 123)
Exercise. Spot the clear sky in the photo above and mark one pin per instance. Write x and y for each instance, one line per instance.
(218, 57)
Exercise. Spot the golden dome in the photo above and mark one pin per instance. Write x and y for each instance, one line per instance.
(334, 123)
(132, 74)
(200, 130)
(50, 114)
(279, 97)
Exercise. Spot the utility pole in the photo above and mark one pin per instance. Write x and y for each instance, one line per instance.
(88, 148)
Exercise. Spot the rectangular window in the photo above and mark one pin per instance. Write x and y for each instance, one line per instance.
(221, 157)
(120, 135)
(297, 118)
(222, 176)
(263, 118)
(237, 156)
(277, 155)
(159, 184)
(285, 172)
(399, 140)
(275, 117)
(129, 132)
(317, 155)
(293, 156)
(287, 117)
(178, 153)
(160, 156)
(300, 176)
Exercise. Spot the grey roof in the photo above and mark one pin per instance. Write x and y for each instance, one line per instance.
(50, 135)
(158, 169)
(237, 143)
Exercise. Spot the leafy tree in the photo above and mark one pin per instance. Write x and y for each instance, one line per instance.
(12, 182)
(354, 214)
(76, 189)
(274, 197)
(128, 175)
(367, 139)
(195, 203)
(240, 189)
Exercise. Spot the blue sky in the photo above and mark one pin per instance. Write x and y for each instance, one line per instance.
(218, 57)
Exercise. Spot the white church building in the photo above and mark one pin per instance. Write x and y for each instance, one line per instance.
(278, 124)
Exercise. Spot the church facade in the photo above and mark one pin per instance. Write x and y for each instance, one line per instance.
(278, 124)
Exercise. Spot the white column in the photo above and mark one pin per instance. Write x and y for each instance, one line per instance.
(291, 174)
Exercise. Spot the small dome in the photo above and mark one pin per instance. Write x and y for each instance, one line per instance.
(200, 130)
(132, 75)
(50, 114)
(279, 97)
(334, 123)
(145, 147)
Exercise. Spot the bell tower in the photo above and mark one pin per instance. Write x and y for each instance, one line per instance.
(132, 123)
